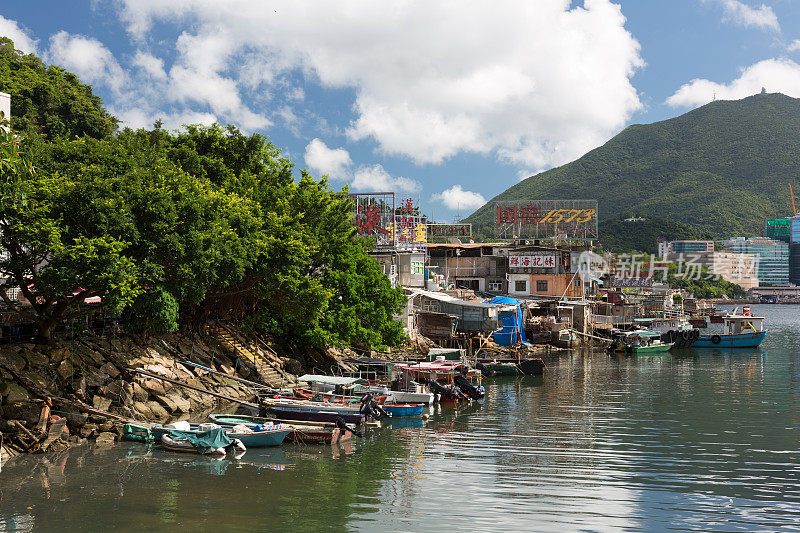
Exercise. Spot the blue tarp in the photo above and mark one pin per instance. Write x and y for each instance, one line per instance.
(513, 326)
(503, 300)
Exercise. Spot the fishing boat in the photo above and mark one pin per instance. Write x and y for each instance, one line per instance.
(736, 330)
(305, 433)
(641, 342)
(259, 436)
(316, 414)
(404, 410)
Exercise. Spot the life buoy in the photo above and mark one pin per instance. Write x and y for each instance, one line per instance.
(716, 339)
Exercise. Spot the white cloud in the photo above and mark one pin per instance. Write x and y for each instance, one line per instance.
(323, 160)
(535, 83)
(22, 40)
(88, 58)
(794, 46)
(375, 178)
(337, 164)
(150, 64)
(776, 75)
(457, 198)
(762, 17)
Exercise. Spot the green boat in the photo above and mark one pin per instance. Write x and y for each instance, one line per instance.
(642, 342)
(497, 368)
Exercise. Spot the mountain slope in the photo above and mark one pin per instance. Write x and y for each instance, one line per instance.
(722, 168)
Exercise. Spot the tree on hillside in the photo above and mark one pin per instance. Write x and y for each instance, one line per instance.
(50, 101)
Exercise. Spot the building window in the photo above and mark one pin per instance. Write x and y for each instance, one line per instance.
(495, 286)
(541, 286)
(520, 285)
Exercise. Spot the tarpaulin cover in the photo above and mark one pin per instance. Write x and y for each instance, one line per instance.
(513, 330)
(204, 441)
(503, 300)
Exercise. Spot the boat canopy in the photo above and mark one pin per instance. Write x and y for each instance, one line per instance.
(330, 380)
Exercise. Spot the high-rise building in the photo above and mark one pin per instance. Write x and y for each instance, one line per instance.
(684, 247)
(794, 250)
(772, 267)
(778, 229)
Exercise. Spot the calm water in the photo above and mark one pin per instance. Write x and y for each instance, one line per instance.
(704, 440)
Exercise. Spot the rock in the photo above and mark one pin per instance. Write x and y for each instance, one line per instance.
(139, 393)
(65, 369)
(76, 439)
(168, 403)
(156, 387)
(16, 360)
(88, 430)
(159, 413)
(143, 410)
(16, 393)
(34, 358)
(36, 378)
(4, 388)
(60, 354)
(105, 427)
(110, 369)
(76, 419)
(101, 403)
(105, 438)
(183, 404)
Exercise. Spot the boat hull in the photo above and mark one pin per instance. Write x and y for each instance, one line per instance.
(658, 349)
(257, 439)
(412, 397)
(316, 415)
(741, 340)
(497, 369)
(311, 433)
(404, 410)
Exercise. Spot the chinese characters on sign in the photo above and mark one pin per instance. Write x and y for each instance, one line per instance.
(444, 231)
(531, 261)
(569, 219)
(376, 216)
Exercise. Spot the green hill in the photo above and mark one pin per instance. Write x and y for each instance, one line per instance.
(721, 169)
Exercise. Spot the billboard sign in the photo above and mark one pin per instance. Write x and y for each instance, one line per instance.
(531, 261)
(445, 231)
(398, 226)
(547, 219)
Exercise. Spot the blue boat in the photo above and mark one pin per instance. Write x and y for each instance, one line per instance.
(403, 410)
(738, 331)
(266, 436)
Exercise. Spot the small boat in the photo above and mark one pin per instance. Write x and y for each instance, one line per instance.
(213, 442)
(404, 410)
(641, 342)
(260, 436)
(497, 368)
(411, 397)
(736, 331)
(306, 433)
(315, 414)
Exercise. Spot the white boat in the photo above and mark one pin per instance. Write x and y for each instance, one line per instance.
(411, 397)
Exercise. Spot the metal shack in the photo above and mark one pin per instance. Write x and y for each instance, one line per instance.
(472, 316)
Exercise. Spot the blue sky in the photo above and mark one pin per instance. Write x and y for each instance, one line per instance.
(451, 102)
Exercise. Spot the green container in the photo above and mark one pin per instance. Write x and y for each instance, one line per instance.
(137, 433)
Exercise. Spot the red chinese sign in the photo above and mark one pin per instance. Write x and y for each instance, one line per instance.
(531, 261)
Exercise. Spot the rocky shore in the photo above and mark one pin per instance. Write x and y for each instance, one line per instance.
(55, 396)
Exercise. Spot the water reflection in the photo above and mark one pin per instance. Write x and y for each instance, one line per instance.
(704, 439)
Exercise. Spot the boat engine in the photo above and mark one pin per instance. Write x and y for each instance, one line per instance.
(370, 408)
(341, 424)
(468, 388)
(442, 391)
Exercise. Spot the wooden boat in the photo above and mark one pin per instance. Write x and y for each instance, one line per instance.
(262, 436)
(306, 433)
(404, 410)
(641, 342)
(411, 397)
(315, 414)
(655, 348)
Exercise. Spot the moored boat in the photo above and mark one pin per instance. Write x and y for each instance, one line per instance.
(735, 331)
(305, 433)
(404, 410)
(259, 436)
